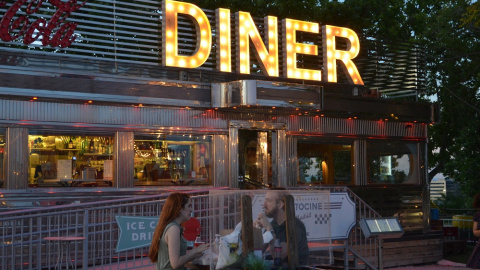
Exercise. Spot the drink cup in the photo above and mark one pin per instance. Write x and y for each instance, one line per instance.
(198, 243)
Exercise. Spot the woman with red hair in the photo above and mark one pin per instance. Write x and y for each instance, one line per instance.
(169, 248)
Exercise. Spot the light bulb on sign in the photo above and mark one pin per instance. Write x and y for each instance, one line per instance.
(331, 54)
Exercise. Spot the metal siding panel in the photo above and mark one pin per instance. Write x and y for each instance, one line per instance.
(334, 126)
(292, 161)
(360, 158)
(220, 151)
(124, 156)
(282, 157)
(232, 157)
(16, 158)
(70, 114)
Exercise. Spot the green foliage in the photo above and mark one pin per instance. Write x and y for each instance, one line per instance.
(253, 262)
(444, 203)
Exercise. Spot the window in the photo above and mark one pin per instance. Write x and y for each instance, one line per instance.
(391, 162)
(324, 163)
(342, 166)
(172, 160)
(311, 170)
(71, 160)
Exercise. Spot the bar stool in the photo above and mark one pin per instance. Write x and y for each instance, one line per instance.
(63, 244)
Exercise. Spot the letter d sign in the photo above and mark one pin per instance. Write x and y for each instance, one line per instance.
(170, 56)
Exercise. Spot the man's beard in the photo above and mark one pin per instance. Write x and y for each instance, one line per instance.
(271, 213)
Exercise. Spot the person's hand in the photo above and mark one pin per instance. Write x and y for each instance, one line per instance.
(200, 249)
(262, 222)
(257, 224)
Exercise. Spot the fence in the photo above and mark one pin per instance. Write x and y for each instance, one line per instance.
(457, 228)
(23, 233)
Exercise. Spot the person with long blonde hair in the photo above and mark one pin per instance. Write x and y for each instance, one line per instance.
(169, 248)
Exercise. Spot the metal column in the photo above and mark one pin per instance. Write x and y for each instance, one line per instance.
(220, 164)
(123, 155)
(292, 161)
(16, 158)
(279, 158)
(233, 156)
(360, 162)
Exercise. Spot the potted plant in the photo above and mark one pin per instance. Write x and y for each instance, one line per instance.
(253, 262)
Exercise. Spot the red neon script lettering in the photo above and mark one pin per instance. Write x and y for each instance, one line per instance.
(54, 32)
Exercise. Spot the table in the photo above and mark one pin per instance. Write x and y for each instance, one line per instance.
(63, 244)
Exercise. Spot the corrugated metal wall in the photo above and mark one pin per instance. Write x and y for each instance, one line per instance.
(176, 119)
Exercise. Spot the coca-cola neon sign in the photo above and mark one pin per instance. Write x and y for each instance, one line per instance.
(55, 32)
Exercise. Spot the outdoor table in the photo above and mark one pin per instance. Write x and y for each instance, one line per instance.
(63, 244)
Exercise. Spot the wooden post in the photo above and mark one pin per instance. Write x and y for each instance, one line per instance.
(291, 232)
(247, 225)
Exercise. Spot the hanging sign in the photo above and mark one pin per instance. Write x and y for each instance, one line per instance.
(135, 232)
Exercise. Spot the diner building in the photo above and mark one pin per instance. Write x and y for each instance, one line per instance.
(125, 94)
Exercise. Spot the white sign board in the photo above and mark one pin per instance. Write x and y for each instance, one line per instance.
(324, 215)
(108, 169)
(64, 169)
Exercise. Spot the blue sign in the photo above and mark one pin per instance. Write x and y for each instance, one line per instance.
(135, 232)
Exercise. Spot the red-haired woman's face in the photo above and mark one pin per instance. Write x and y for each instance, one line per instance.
(186, 211)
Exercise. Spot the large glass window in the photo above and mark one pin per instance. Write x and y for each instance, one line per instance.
(2, 154)
(324, 163)
(173, 160)
(391, 162)
(71, 160)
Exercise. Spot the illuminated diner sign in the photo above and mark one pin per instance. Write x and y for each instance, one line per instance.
(56, 32)
(265, 53)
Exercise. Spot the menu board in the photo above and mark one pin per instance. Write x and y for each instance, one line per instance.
(382, 227)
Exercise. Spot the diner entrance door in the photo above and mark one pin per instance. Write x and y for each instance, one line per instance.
(255, 163)
(256, 153)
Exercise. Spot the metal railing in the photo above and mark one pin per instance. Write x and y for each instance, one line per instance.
(23, 233)
(458, 228)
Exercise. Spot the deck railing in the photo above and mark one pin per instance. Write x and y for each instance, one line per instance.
(23, 233)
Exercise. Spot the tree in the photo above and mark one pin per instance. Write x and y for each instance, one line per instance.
(454, 76)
